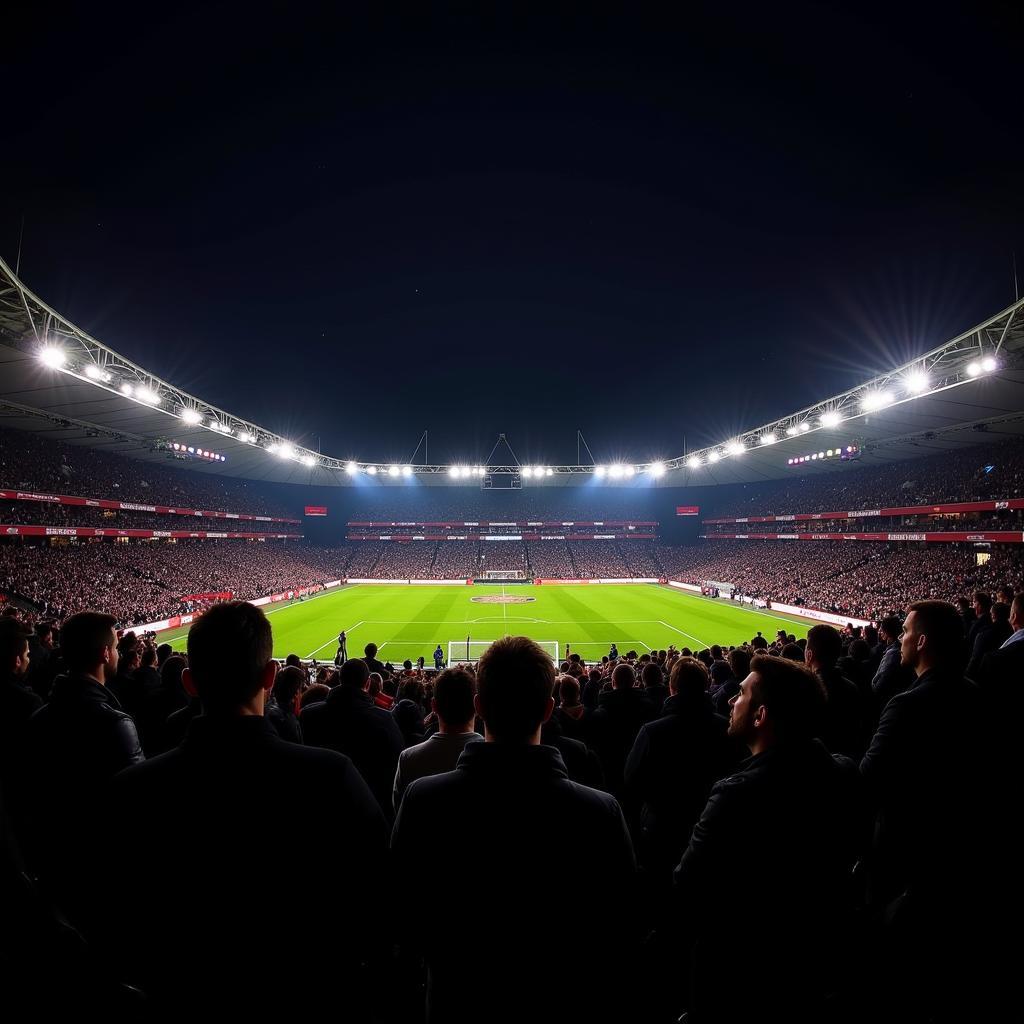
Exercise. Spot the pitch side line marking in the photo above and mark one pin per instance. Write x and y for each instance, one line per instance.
(334, 639)
(683, 631)
(296, 602)
(741, 607)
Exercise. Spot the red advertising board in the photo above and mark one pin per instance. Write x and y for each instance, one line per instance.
(316, 510)
(687, 510)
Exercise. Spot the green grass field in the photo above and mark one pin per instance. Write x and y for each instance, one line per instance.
(409, 621)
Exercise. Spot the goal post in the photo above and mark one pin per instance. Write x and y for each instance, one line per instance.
(468, 651)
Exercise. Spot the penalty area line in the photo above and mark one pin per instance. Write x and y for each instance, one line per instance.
(334, 639)
(683, 632)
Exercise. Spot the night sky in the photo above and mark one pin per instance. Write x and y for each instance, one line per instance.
(351, 228)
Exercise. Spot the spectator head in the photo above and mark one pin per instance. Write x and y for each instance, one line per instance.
(739, 662)
(963, 605)
(982, 604)
(759, 643)
(230, 667)
(688, 683)
(314, 694)
(716, 652)
(793, 652)
(44, 633)
(170, 673)
(370, 650)
(411, 689)
(651, 675)
(860, 650)
(288, 688)
(148, 656)
(933, 635)
(1005, 594)
(374, 683)
(14, 636)
(569, 692)
(514, 682)
(89, 645)
(779, 701)
(1000, 612)
(407, 665)
(870, 634)
(1017, 612)
(623, 677)
(891, 626)
(824, 646)
(293, 661)
(453, 700)
(355, 673)
(163, 652)
(780, 636)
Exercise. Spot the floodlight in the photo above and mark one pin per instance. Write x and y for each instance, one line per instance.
(527, 471)
(628, 470)
(831, 419)
(407, 471)
(308, 460)
(875, 400)
(94, 372)
(713, 456)
(657, 469)
(286, 451)
(52, 357)
(988, 364)
(804, 427)
(351, 469)
(538, 470)
(480, 470)
(916, 381)
(247, 438)
(769, 438)
(273, 448)
(549, 471)
(190, 415)
(735, 448)
(371, 470)
(790, 431)
(393, 471)
(127, 390)
(147, 396)
(599, 471)
(693, 462)
(191, 450)
(615, 472)
(454, 472)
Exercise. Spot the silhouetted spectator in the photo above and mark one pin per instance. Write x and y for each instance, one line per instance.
(620, 713)
(844, 720)
(283, 708)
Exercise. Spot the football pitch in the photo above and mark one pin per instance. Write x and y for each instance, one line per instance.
(408, 621)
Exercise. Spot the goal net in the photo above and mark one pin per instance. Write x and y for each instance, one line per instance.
(466, 651)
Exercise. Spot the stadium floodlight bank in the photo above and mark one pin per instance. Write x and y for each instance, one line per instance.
(465, 652)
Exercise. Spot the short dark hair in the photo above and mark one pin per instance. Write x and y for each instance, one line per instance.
(14, 636)
(83, 637)
(453, 696)
(1000, 612)
(314, 694)
(354, 672)
(290, 681)
(759, 642)
(293, 661)
(985, 600)
(689, 680)
(514, 681)
(229, 649)
(44, 629)
(941, 623)
(163, 652)
(569, 691)
(891, 625)
(652, 675)
(793, 652)
(623, 677)
(793, 694)
(826, 643)
(739, 662)
(149, 656)
(370, 650)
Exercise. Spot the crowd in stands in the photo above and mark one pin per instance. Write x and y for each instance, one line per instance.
(993, 470)
(145, 582)
(29, 462)
(1005, 519)
(809, 830)
(455, 559)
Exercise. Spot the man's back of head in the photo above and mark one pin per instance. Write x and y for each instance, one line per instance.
(651, 675)
(891, 626)
(689, 682)
(88, 641)
(623, 677)
(824, 646)
(230, 657)
(515, 678)
(453, 699)
(14, 640)
(355, 673)
(933, 637)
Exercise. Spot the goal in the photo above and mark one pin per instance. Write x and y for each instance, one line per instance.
(466, 651)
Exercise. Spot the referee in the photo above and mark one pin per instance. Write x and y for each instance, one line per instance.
(343, 646)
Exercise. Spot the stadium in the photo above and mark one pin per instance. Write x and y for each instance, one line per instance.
(656, 642)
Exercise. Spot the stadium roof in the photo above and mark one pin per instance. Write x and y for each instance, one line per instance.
(58, 381)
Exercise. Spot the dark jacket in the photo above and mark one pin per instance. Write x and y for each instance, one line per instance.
(987, 640)
(284, 722)
(76, 743)
(668, 776)
(618, 718)
(656, 697)
(519, 814)
(784, 823)
(844, 730)
(349, 722)
(892, 677)
(579, 727)
(18, 703)
(582, 765)
(210, 840)
(926, 773)
(999, 676)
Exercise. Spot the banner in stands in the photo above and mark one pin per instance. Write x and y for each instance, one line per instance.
(131, 506)
(407, 537)
(688, 510)
(99, 531)
(630, 579)
(429, 583)
(458, 526)
(980, 537)
(223, 595)
(316, 510)
(902, 510)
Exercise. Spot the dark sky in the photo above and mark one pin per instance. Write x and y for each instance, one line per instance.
(358, 227)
